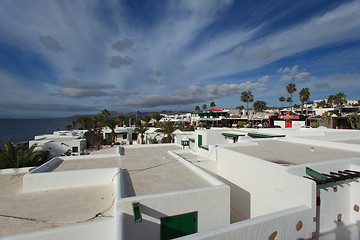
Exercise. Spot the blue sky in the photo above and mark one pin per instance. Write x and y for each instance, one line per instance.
(60, 58)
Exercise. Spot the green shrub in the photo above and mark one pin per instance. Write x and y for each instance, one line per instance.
(314, 124)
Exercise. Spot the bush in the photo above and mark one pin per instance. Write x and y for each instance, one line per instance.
(314, 124)
(105, 142)
(164, 140)
(241, 123)
(354, 120)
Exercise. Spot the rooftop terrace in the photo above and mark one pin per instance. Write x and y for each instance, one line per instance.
(287, 153)
(26, 212)
(146, 170)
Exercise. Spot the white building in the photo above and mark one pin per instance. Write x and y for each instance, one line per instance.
(60, 142)
(230, 184)
(123, 135)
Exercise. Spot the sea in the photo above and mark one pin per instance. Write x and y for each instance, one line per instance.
(23, 130)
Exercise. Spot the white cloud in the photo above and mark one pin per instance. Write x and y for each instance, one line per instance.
(123, 44)
(293, 74)
(50, 44)
(118, 61)
(83, 93)
(238, 52)
(71, 83)
(302, 76)
(264, 79)
(286, 78)
(192, 94)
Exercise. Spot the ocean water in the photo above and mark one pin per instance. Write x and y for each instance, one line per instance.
(21, 130)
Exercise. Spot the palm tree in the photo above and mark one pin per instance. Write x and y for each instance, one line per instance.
(304, 95)
(12, 157)
(197, 108)
(112, 123)
(330, 100)
(121, 119)
(247, 97)
(97, 124)
(204, 107)
(105, 113)
(73, 123)
(146, 119)
(291, 88)
(212, 105)
(141, 128)
(281, 99)
(340, 100)
(289, 100)
(167, 128)
(84, 121)
(8, 155)
(68, 127)
(259, 106)
(157, 116)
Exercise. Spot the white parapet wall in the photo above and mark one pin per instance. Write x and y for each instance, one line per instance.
(288, 224)
(212, 205)
(68, 179)
(262, 187)
(337, 202)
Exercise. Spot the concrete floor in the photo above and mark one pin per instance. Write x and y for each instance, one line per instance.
(291, 153)
(26, 212)
(146, 170)
(152, 170)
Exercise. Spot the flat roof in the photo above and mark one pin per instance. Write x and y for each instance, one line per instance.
(286, 153)
(352, 141)
(27, 212)
(150, 170)
(146, 170)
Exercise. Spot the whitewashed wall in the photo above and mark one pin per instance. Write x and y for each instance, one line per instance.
(265, 187)
(336, 198)
(212, 205)
(99, 229)
(79, 178)
(280, 225)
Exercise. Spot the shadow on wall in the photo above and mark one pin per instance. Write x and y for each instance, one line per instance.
(140, 230)
(240, 200)
(127, 188)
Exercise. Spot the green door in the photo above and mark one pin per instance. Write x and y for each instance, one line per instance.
(178, 225)
(199, 140)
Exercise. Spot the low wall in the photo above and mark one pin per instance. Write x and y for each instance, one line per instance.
(15, 170)
(212, 205)
(68, 179)
(325, 144)
(335, 198)
(267, 187)
(293, 223)
(99, 229)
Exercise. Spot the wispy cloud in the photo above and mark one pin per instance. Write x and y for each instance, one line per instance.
(117, 55)
(193, 94)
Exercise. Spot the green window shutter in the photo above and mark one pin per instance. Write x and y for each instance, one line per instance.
(178, 225)
(75, 149)
(199, 140)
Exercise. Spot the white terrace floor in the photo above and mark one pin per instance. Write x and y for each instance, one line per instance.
(286, 153)
(146, 170)
(26, 212)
